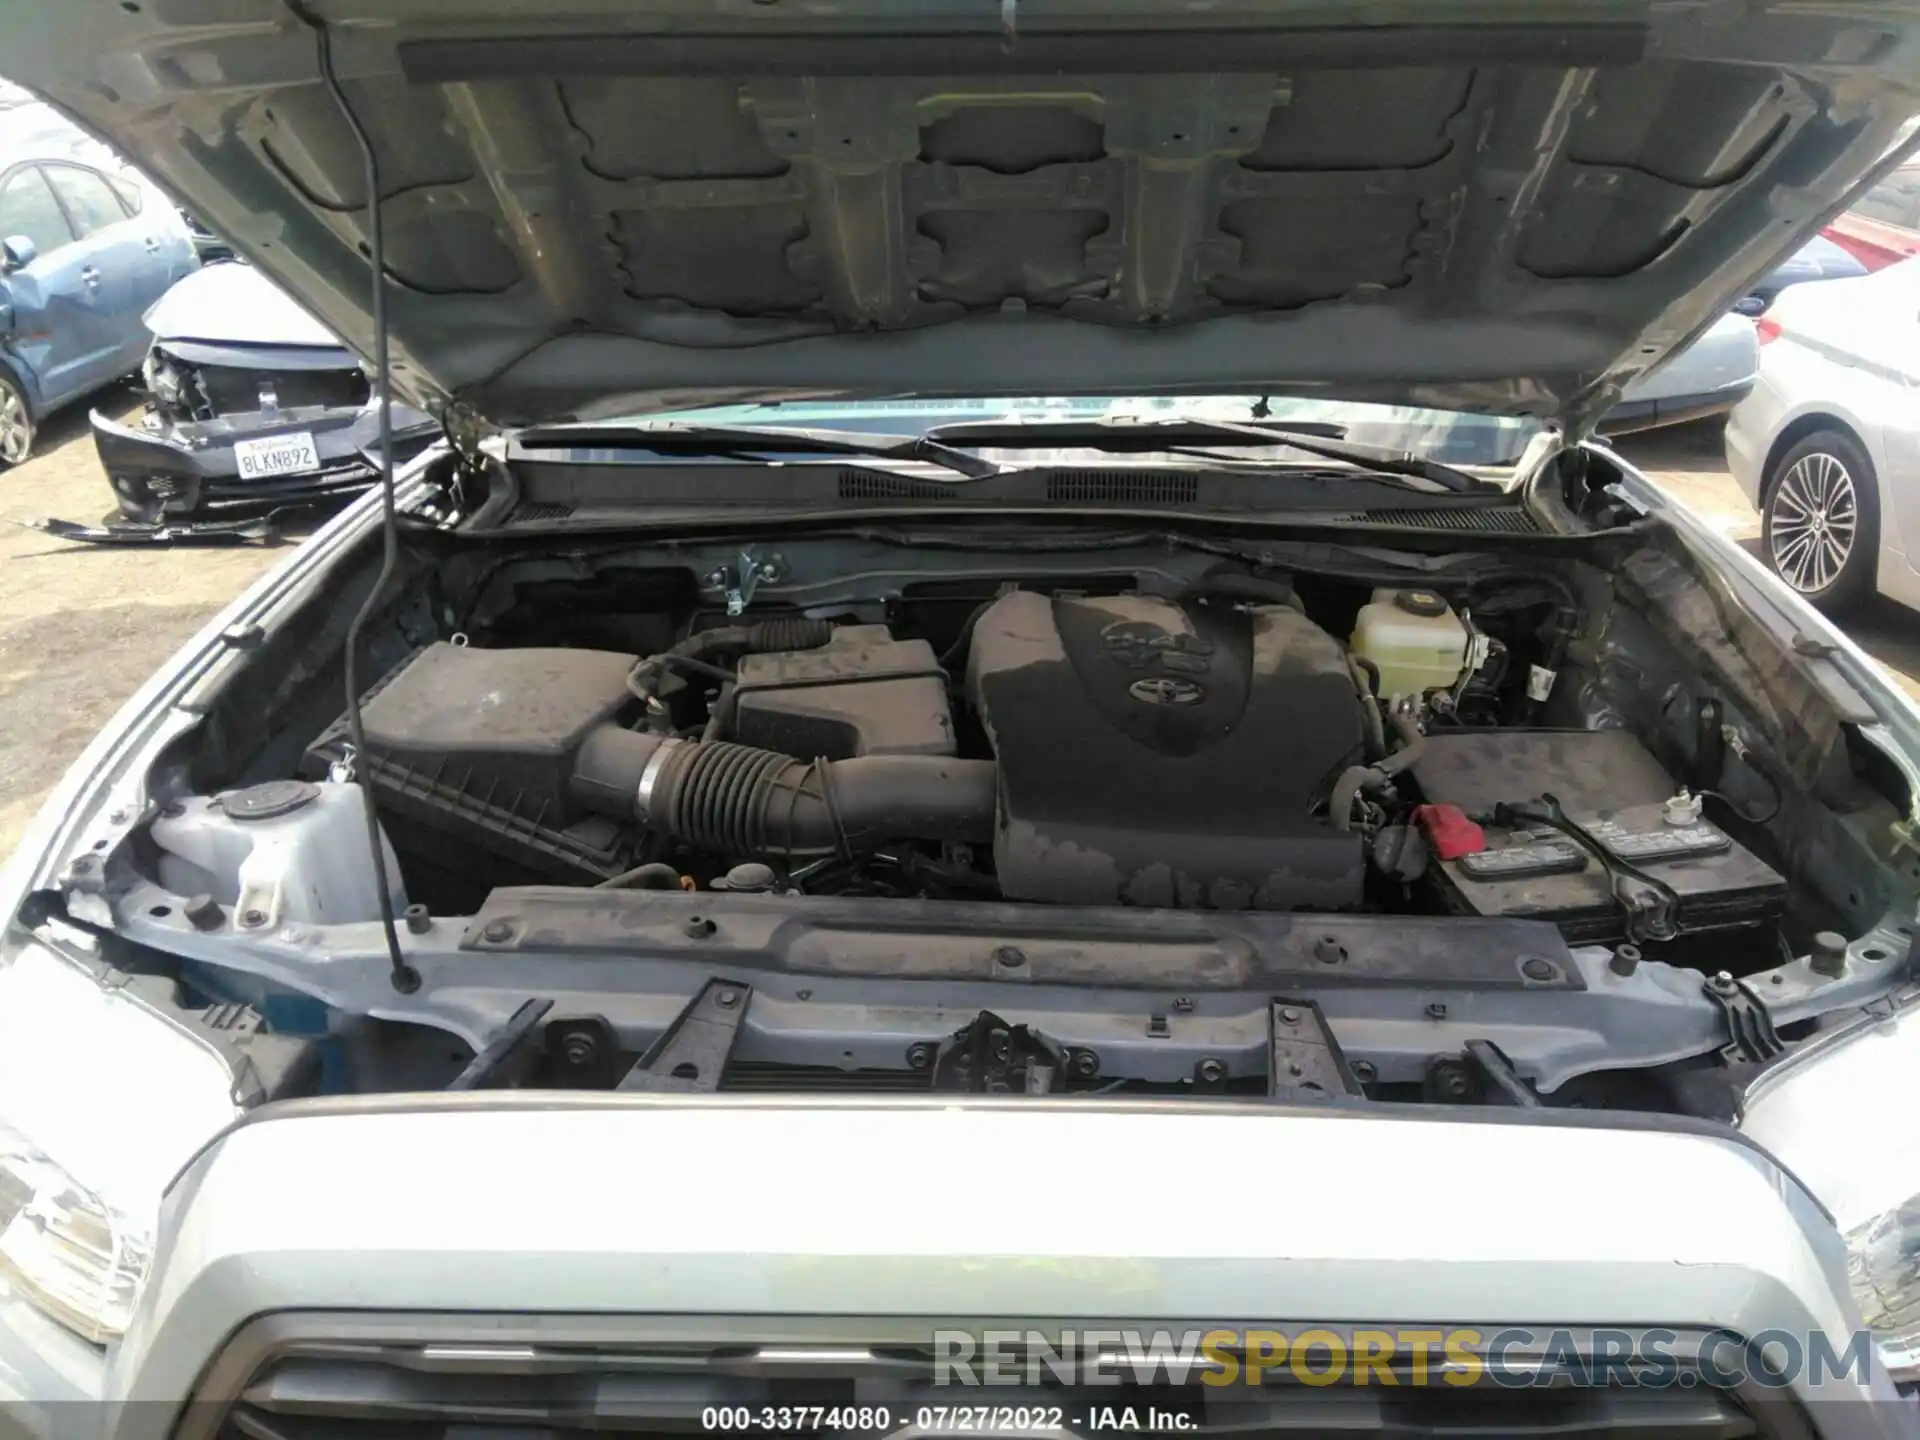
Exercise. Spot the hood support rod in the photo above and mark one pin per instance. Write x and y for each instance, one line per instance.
(405, 978)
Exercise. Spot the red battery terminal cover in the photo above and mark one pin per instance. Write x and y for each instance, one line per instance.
(1450, 834)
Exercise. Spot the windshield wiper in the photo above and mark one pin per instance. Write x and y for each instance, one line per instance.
(673, 437)
(1122, 433)
(940, 445)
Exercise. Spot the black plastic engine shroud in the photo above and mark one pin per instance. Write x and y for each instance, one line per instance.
(1152, 753)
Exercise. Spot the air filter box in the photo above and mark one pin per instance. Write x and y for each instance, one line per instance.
(480, 745)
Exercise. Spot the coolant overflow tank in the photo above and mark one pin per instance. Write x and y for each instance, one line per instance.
(288, 850)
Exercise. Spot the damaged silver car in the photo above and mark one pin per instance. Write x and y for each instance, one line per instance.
(254, 407)
(1016, 689)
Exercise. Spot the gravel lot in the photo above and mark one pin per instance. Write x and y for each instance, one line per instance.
(82, 626)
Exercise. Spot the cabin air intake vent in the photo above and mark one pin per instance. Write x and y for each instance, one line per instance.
(1500, 519)
(1123, 486)
(537, 510)
(871, 485)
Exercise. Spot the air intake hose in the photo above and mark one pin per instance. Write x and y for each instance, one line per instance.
(737, 800)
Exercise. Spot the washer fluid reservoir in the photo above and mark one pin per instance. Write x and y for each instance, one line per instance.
(285, 851)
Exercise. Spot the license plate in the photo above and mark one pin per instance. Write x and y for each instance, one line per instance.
(281, 455)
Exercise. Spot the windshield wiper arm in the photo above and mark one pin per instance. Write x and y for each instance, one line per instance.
(1118, 433)
(939, 445)
(678, 438)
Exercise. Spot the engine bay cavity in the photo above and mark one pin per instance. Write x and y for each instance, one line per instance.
(1140, 820)
(1202, 751)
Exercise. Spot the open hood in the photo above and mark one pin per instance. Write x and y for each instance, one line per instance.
(597, 207)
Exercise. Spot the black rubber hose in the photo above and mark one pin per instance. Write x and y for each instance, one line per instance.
(720, 716)
(654, 875)
(963, 642)
(1357, 778)
(740, 801)
(1239, 585)
(694, 665)
(763, 637)
(770, 637)
(1346, 790)
(700, 650)
(1366, 678)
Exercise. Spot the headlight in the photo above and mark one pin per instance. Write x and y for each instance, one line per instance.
(63, 1247)
(1883, 1267)
(102, 1099)
(163, 381)
(1825, 1118)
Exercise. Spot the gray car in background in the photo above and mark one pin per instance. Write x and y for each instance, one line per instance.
(255, 407)
(86, 245)
(1717, 371)
(1706, 379)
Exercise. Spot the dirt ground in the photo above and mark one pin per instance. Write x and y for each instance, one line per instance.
(82, 626)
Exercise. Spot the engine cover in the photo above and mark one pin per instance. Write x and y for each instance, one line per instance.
(1155, 754)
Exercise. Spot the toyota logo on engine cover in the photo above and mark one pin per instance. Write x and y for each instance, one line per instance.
(1163, 690)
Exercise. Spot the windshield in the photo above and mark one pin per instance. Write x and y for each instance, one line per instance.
(1451, 437)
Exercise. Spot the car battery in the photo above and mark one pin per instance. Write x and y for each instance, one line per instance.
(1610, 786)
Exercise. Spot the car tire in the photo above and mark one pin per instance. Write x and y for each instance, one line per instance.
(16, 423)
(1820, 520)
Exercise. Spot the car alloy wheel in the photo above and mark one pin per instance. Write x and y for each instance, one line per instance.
(16, 425)
(1815, 514)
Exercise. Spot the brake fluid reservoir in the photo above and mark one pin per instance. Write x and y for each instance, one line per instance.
(287, 850)
(1414, 638)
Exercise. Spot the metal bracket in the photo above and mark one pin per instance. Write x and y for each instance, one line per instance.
(989, 1056)
(749, 571)
(464, 431)
(583, 1052)
(1749, 1026)
(1504, 1085)
(509, 1039)
(1305, 1060)
(691, 1057)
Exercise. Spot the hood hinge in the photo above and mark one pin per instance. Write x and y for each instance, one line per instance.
(464, 431)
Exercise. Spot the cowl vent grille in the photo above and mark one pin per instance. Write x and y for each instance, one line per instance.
(870, 485)
(1122, 487)
(1499, 519)
(535, 511)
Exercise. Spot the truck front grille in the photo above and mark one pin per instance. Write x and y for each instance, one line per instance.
(315, 1388)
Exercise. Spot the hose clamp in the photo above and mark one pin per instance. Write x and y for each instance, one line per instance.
(649, 777)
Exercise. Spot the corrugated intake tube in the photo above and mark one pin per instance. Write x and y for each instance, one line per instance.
(740, 801)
